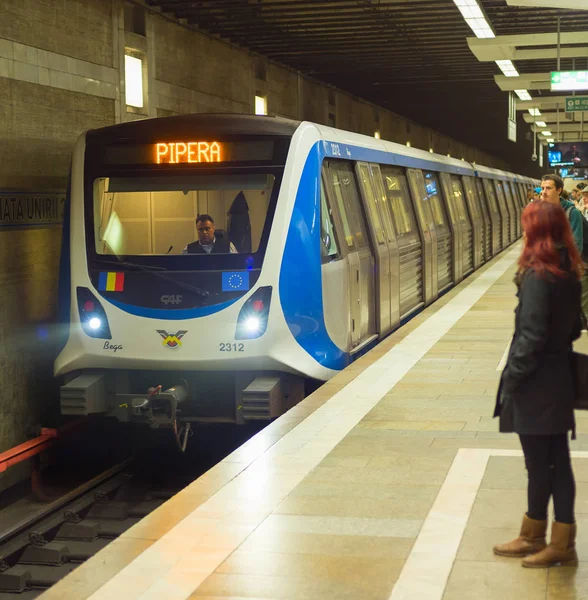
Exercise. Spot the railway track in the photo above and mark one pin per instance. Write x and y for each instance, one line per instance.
(46, 545)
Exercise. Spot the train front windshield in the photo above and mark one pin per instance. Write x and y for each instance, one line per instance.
(183, 215)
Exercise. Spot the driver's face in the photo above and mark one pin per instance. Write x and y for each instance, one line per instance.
(205, 232)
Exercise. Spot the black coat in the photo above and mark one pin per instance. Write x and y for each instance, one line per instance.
(536, 394)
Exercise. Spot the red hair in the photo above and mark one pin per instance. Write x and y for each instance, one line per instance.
(547, 229)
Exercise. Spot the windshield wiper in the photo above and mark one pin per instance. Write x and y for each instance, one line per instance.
(154, 270)
(130, 264)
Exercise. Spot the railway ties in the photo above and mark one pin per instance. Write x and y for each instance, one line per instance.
(42, 549)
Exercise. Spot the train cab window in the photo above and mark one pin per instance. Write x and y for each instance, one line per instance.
(329, 249)
(433, 191)
(147, 216)
(458, 198)
(348, 204)
(397, 196)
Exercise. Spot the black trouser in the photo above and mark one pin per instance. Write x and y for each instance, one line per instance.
(547, 458)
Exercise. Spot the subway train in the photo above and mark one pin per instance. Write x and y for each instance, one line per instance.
(324, 242)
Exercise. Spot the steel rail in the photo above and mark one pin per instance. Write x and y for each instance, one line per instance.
(46, 518)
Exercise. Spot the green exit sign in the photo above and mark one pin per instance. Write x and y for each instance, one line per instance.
(569, 80)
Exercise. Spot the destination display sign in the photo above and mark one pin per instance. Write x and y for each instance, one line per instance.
(30, 209)
(191, 152)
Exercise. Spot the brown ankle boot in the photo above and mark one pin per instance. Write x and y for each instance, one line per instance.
(561, 550)
(531, 539)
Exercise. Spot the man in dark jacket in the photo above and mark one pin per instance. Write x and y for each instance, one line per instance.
(208, 242)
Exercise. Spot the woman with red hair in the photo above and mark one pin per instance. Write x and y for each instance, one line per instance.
(536, 394)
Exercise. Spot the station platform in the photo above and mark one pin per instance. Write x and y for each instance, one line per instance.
(390, 481)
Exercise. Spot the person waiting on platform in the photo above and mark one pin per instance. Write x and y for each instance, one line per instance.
(583, 202)
(536, 393)
(210, 240)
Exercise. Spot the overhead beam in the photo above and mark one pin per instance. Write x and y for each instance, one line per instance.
(527, 81)
(551, 117)
(503, 47)
(542, 102)
(573, 4)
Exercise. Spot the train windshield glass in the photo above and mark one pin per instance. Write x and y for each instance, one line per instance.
(182, 215)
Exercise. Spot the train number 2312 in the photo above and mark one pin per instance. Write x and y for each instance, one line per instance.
(231, 347)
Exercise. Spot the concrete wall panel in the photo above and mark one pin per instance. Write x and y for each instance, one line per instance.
(78, 28)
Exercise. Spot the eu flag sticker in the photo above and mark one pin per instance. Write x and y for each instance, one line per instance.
(236, 281)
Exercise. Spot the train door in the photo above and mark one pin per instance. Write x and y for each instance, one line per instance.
(334, 273)
(467, 235)
(487, 219)
(504, 211)
(516, 202)
(426, 225)
(456, 230)
(390, 233)
(496, 216)
(360, 261)
(380, 245)
(410, 265)
(445, 245)
(523, 195)
(512, 210)
(476, 218)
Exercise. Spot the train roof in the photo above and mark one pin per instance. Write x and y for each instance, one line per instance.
(246, 124)
(205, 123)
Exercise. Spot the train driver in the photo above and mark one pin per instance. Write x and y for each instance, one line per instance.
(207, 241)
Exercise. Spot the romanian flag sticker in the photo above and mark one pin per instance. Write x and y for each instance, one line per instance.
(111, 282)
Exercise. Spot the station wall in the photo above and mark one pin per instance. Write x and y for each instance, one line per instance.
(62, 71)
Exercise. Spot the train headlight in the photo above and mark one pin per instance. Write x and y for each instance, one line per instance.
(252, 321)
(92, 315)
(252, 324)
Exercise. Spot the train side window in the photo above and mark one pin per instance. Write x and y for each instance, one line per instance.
(383, 201)
(338, 190)
(349, 204)
(329, 248)
(433, 191)
(372, 202)
(421, 196)
(471, 190)
(480, 189)
(491, 196)
(396, 193)
(458, 197)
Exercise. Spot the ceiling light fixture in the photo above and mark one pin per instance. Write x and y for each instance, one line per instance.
(535, 112)
(547, 133)
(550, 140)
(507, 68)
(523, 94)
(475, 18)
(541, 124)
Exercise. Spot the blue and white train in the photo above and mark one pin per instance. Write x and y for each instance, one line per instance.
(339, 239)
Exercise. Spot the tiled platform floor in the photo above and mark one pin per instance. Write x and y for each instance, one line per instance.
(334, 500)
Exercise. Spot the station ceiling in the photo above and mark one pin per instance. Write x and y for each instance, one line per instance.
(411, 56)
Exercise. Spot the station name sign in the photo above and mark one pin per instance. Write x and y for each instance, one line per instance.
(187, 152)
(30, 209)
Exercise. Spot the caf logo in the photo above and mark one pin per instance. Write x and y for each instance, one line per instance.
(172, 340)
